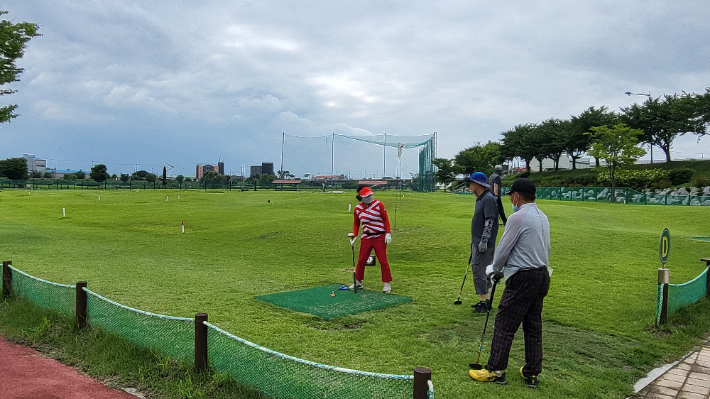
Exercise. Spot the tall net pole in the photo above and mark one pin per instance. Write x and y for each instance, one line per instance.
(283, 138)
(332, 158)
(384, 157)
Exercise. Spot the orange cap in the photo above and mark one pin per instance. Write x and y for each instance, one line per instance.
(365, 191)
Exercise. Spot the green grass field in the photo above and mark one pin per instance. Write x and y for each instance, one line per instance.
(599, 314)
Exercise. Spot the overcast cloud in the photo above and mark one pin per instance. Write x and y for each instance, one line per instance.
(143, 82)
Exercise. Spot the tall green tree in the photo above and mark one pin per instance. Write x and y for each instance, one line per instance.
(618, 147)
(578, 141)
(213, 177)
(267, 178)
(519, 142)
(285, 174)
(139, 175)
(665, 118)
(81, 175)
(446, 170)
(99, 173)
(13, 41)
(14, 168)
(704, 104)
(478, 158)
(551, 137)
(124, 177)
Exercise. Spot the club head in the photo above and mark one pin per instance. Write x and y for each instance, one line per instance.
(457, 302)
(475, 366)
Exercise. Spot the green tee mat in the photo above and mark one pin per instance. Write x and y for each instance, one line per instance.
(319, 301)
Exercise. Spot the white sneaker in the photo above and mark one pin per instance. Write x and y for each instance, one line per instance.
(359, 285)
(387, 288)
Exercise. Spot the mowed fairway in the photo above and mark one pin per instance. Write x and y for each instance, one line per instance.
(237, 245)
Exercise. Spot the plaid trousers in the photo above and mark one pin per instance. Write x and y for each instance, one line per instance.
(521, 303)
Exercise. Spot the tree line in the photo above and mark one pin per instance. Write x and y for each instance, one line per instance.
(658, 121)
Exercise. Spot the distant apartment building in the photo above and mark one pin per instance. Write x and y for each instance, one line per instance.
(266, 168)
(203, 168)
(34, 164)
(255, 171)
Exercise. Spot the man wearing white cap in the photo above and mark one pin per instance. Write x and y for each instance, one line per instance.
(375, 235)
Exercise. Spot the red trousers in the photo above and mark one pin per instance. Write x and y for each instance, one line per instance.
(366, 247)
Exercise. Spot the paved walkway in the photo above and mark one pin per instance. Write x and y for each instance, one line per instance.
(26, 374)
(687, 379)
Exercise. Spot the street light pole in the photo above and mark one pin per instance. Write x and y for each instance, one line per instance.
(628, 93)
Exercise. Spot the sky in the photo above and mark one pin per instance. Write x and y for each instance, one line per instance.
(140, 84)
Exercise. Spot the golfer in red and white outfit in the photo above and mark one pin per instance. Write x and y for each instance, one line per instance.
(376, 235)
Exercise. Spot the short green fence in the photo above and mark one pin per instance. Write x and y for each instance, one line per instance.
(272, 373)
(672, 297)
(603, 194)
(623, 194)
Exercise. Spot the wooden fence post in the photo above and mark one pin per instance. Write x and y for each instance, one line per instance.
(6, 279)
(664, 276)
(422, 375)
(201, 361)
(81, 305)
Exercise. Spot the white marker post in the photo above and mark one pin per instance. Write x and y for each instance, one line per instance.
(166, 198)
(64, 213)
(178, 196)
(99, 198)
(350, 206)
(182, 226)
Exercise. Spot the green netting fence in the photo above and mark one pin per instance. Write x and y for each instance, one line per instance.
(680, 295)
(281, 376)
(623, 194)
(272, 373)
(174, 336)
(44, 294)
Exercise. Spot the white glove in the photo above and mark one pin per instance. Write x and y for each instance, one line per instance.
(388, 238)
(489, 270)
(352, 237)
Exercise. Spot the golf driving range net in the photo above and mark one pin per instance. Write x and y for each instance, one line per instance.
(274, 374)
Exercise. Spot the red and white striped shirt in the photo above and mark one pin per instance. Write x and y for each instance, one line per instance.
(373, 218)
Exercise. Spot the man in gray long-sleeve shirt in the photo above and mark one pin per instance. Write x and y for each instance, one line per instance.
(523, 256)
(484, 230)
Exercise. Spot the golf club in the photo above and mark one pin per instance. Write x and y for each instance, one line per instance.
(458, 300)
(352, 246)
(477, 366)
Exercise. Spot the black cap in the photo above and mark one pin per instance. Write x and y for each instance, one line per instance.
(523, 186)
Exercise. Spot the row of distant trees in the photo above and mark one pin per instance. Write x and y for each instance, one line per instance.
(16, 169)
(660, 120)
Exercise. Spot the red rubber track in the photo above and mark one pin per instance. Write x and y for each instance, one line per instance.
(26, 374)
